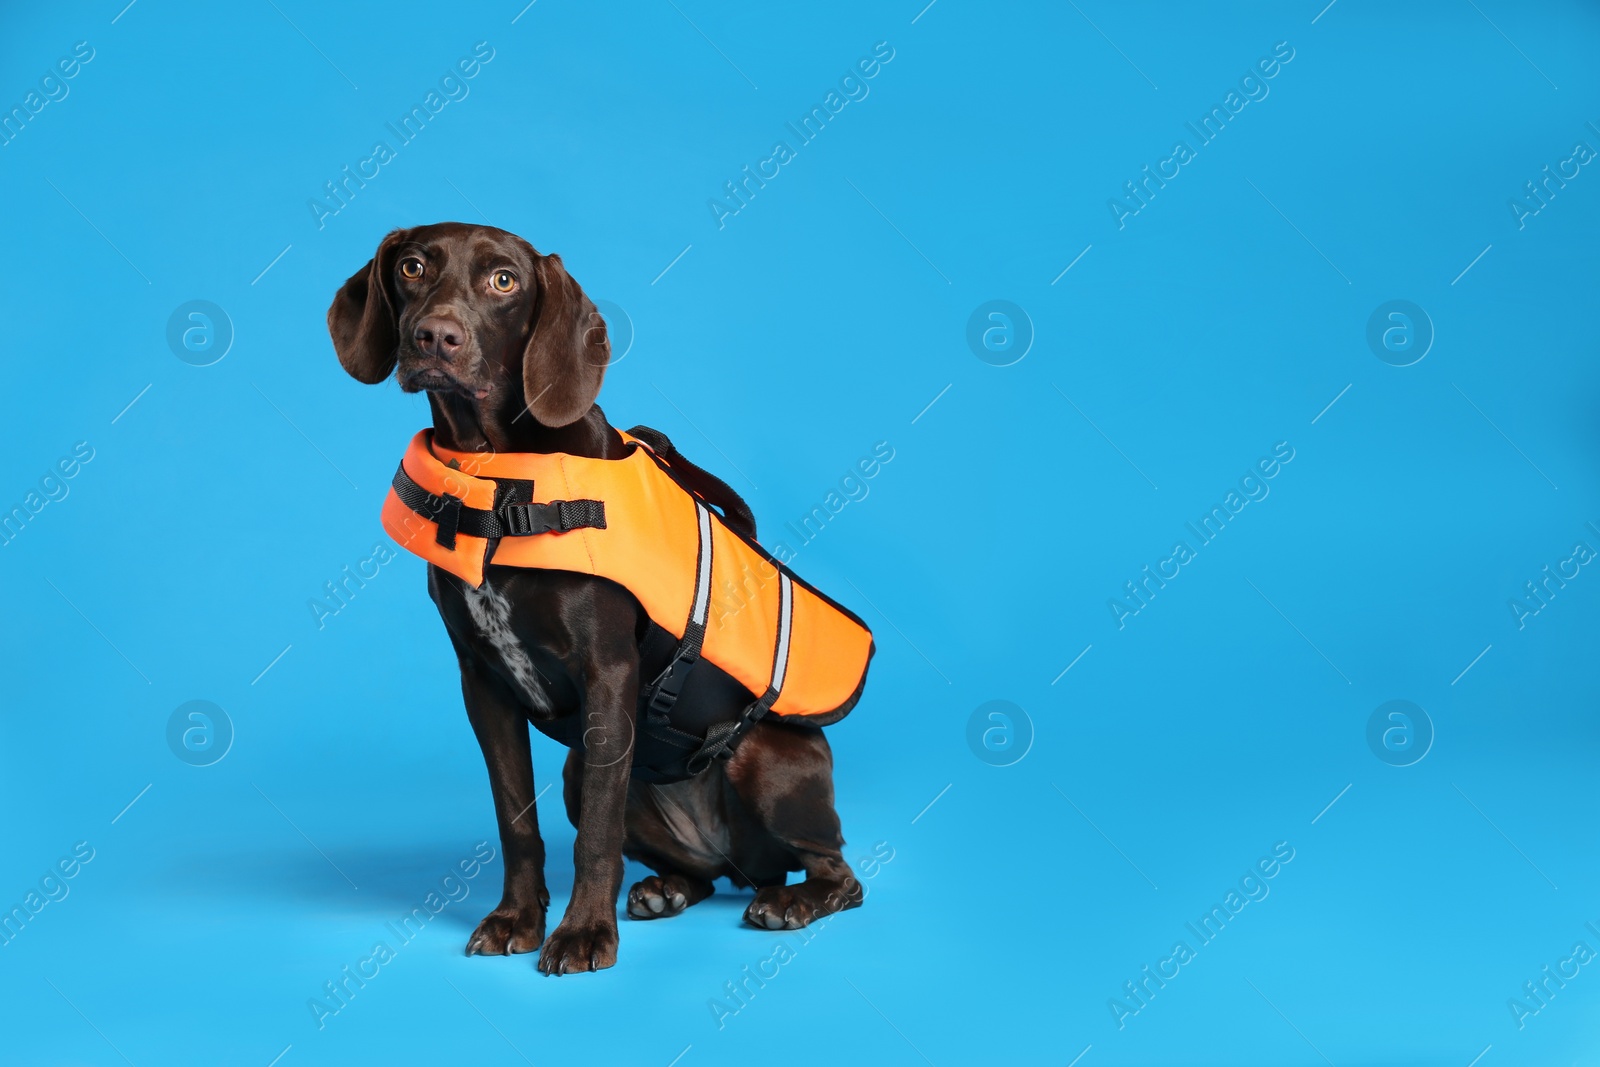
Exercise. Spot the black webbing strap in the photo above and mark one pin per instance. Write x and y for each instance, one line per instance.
(663, 692)
(453, 517)
(669, 734)
(721, 738)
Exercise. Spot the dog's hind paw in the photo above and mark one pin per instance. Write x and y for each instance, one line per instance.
(506, 931)
(656, 897)
(789, 907)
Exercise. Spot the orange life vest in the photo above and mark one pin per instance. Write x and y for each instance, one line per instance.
(630, 520)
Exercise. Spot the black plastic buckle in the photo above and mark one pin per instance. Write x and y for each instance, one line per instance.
(669, 685)
(523, 520)
(515, 520)
(662, 702)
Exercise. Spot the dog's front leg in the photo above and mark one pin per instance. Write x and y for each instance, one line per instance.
(517, 924)
(586, 939)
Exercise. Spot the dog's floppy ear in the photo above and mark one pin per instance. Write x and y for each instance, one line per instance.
(361, 320)
(567, 352)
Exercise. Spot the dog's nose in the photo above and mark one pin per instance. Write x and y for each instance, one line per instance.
(439, 336)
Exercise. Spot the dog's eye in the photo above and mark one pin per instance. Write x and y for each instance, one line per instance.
(503, 281)
(411, 269)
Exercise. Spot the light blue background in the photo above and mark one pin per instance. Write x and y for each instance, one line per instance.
(825, 316)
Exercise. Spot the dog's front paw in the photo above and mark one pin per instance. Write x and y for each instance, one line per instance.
(573, 948)
(507, 930)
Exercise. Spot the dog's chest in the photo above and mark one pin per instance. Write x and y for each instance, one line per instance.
(490, 613)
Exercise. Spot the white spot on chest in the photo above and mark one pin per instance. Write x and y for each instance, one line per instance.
(491, 614)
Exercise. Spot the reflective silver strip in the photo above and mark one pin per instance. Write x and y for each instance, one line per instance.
(702, 578)
(780, 662)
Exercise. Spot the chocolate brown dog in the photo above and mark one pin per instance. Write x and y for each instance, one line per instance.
(511, 353)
